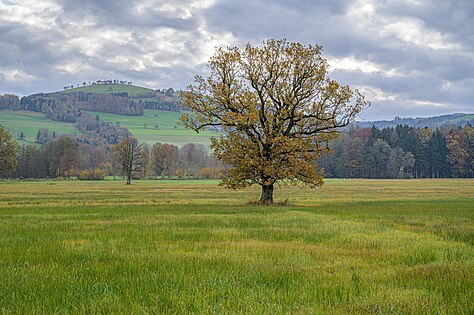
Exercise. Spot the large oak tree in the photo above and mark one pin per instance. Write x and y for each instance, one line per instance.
(278, 109)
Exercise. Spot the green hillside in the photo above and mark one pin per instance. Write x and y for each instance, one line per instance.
(111, 88)
(168, 131)
(30, 123)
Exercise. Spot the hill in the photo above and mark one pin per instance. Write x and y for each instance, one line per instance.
(145, 96)
(30, 123)
(150, 115)
(453, 120)
(111, 88)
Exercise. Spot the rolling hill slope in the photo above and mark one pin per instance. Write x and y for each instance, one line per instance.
(30, 122)
(161, 125)
(112, 88)
(158, 126)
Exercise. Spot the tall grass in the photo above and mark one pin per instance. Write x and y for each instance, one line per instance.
(359, 246)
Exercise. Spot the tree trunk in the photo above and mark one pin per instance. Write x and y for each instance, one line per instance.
(267, 194)
(129, 179)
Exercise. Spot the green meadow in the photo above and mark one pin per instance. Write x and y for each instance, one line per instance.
(30, 122)
(168, 129)
(111, 88)
(179, 247)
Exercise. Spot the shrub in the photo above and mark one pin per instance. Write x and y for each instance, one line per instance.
(95, 174)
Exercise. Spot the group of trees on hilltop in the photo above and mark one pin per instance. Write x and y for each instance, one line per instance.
(402, 152)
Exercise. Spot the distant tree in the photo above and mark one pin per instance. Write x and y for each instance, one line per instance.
(61, 156)
(8, 152)
(129, 157)
(468, 132)
(146, 161)
(437, 155)
(458, 153)
(278, 108)
(21, 135)
(164, 159)
(377, 158)
(191, 158)
(43, 136)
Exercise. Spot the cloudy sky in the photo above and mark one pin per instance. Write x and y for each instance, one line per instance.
(409, 57)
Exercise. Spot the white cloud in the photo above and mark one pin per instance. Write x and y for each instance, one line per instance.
(375, 94)
(353, 64)
(406, 29)
(428, 103)
(16, 75)
(37, 14)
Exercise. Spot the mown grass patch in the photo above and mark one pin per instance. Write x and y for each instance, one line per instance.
(190, 247)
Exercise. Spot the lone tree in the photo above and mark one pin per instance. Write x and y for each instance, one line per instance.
(8, 152)
(129, 156)
(279, 111)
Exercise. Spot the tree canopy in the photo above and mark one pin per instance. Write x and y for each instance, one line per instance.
(278, 109)
(8, 152)
(129, 156)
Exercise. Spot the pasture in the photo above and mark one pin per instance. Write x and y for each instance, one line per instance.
(111, 88)
(168, 129)
(30, 122)
(352, 246)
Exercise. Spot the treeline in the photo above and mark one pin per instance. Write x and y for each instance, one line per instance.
(65, 157)
(9, 101)
(66, 107)
(402, 152)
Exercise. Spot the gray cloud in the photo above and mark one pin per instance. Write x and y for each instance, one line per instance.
(410, 57)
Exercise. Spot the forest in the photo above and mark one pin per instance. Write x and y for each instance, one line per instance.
(400, 152)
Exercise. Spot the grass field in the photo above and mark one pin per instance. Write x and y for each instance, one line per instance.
(30, 123)
(111, 88)
(166, 131)
(353, 246)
